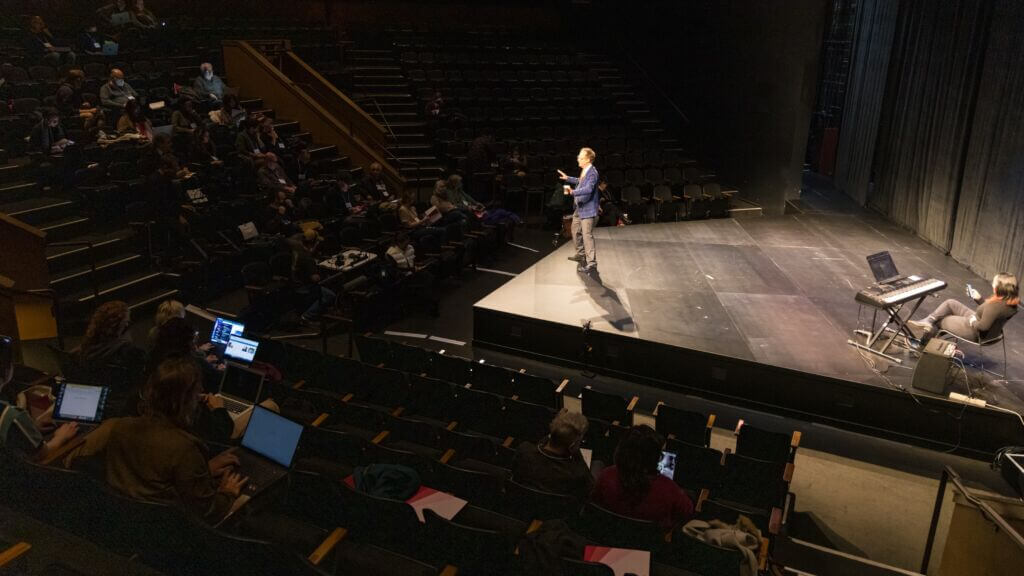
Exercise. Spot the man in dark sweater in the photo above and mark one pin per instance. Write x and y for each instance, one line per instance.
(555, 464)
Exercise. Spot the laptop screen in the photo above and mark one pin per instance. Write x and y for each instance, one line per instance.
(272, 436)
(223, 329)
(882, 267)
(241, 383)
(80, 402)
(241, 348)
(667, 465)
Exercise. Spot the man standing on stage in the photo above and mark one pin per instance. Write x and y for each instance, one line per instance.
(587, 200)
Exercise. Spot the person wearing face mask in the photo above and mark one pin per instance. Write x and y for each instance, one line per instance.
(555, 464)
(208, 84)
(116, 93)
(40, 45)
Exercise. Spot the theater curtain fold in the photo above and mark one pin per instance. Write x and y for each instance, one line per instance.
(872, 44)
(989, 231)
(926, 114)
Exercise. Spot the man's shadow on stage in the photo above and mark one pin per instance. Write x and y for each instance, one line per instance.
(604, 296)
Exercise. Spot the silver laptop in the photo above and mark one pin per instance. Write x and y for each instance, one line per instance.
(241, 350)
(240, 388)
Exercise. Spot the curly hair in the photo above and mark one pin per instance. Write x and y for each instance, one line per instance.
(636, 458)
(107, 323)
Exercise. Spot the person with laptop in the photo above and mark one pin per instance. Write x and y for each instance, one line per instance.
(156, 456)
(634, 487)
(18, 431)
(975, 325)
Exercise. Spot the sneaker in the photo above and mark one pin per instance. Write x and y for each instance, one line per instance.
(576, 258)
(922, 325)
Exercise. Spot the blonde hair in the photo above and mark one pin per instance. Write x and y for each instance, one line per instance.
(168, 309)
(589, 153)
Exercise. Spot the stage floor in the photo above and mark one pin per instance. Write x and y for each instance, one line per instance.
(777, 291)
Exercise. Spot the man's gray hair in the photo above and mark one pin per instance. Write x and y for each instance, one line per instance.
(567, 428)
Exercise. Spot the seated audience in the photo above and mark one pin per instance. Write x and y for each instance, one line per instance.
(18, 431)
(373, 188)
(272, 178)
(440, 200)
(96, 130)
(134, 121)
(609, 212)
(155, 456)
(269, 136)
(248, 143)
(107, 340)
(91, 41)
(306, 274)
(410, 220)
(48, 136)
(115, 93)
(165, 311)
(142, 17)
(555, 464)
(417, 279)
(208, 84)
(41, 46)
(185, 119)
(230, 112)
(107, 11)
(202, 150)
(166, 200)
(280, 216)
(300, 168)
(69, 98)
(633, 486)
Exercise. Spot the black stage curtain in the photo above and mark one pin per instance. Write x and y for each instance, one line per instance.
(872, 45)
(925, 125)
(989, 232)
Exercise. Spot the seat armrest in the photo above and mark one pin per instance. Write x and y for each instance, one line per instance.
(325, 547)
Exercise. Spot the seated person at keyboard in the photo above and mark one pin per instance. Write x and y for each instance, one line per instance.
(21, 433)
(555, 464)
(633, 487)
(155, 456)
(977, 325)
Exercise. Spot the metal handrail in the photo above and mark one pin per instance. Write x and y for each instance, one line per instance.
(92, 263)
(656, 86)
(48, 294)
(950, 475)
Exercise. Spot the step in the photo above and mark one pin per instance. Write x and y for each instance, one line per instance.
(61, 258)
(382, 96)
(393, 116)
(124, 288)
(251, 103)
(107, 270)
(10, 173)
(151, 299)
(36, 211)
(65, 228)
(318, 151)
(383, 86)
(361, 78)
(18, 191)
(373, 70)
(286, 127)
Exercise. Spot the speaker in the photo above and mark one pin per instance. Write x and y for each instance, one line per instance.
(934, 371)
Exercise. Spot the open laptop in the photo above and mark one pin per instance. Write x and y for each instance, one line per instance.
(242, 350)
(81, 403)
(120, 18)
(222, 331)
(240, 388)
(883, 268)
(268, 448)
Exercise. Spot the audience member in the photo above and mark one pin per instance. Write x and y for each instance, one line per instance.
(374, 189)
(48, 136)
(609, 212)
(142, 17)
(96, 130)
(165, 311)
(301, 165)
(91, 41)
(439, 200)
(107, 340)
(248, 143)
(69, 98)
(208, 84)
(115, 94)
(306, 274)
(269, 136)
(106, 13)
(166, 200)
(418, 229)
(555, 464)
(41, 46)
(417, 280)
(202, 150)
(458, 196)
(272, 178)
(230, 112)
(403, 254)
(280, 216)
(633, 487)
(133, 120)
(18, 431)
(155, 456)
(185, 119)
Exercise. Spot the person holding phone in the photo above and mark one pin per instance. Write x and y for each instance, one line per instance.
(586, 200)
(975, 325)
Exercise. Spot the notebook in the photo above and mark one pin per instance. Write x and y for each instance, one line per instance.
(240, 388)
(80, 403)
(268, 448)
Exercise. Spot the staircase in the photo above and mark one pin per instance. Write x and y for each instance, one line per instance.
(87, 264)
(374, 78)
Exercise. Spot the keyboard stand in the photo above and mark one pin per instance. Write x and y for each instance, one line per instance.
(900, 328)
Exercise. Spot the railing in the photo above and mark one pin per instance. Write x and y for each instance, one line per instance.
(949, 476)
(296, 90)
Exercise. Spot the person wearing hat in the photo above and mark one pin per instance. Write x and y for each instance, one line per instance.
(305, 274)
(116, 93)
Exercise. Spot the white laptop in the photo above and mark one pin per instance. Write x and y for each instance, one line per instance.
(240, 388)
(240, 349)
